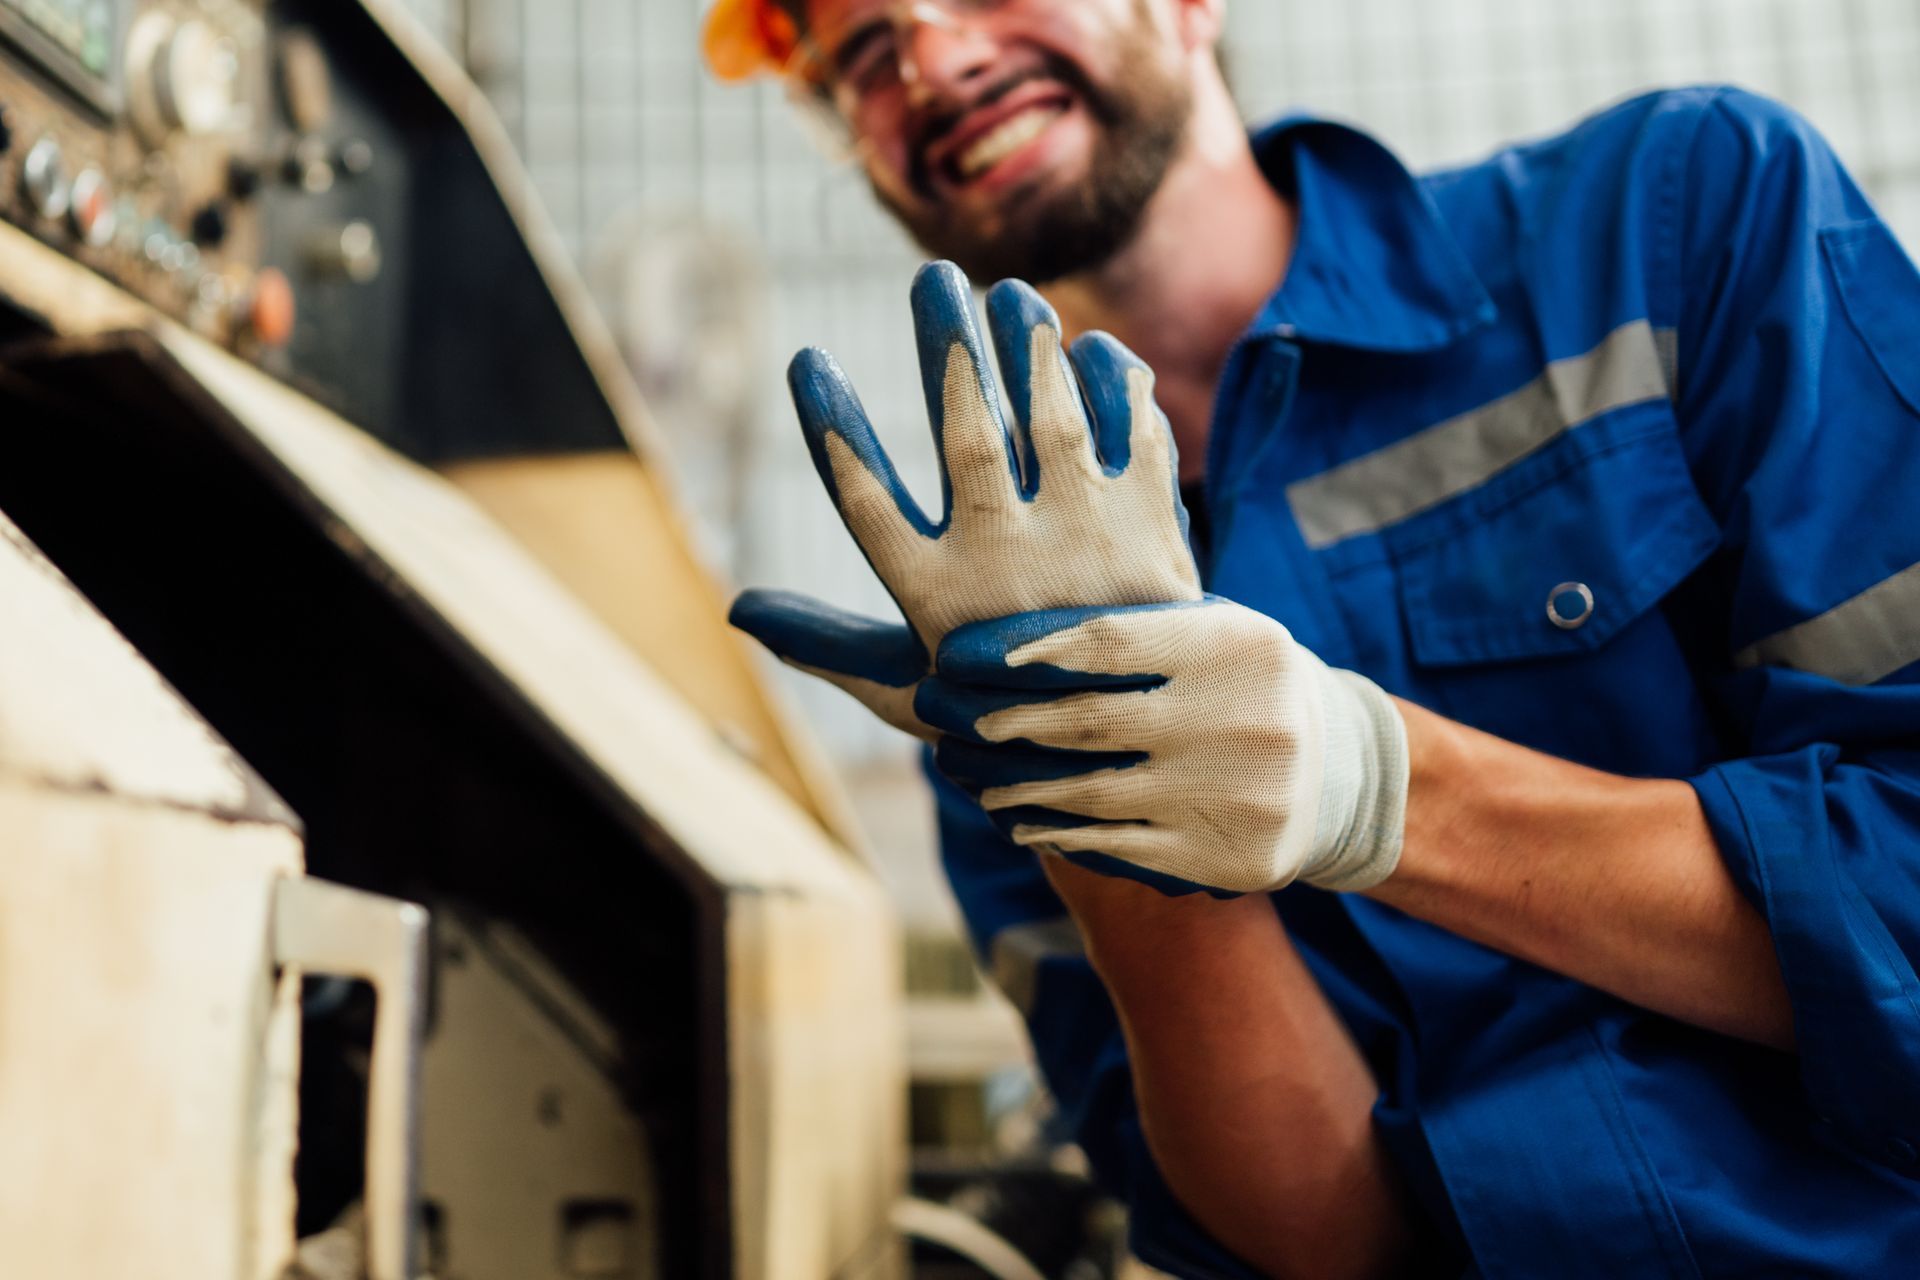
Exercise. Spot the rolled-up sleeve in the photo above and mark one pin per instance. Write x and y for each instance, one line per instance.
(1799, 381)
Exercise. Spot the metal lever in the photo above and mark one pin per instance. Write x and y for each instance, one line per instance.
(328, 929)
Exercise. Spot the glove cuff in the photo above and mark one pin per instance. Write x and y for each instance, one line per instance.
(1363, 802)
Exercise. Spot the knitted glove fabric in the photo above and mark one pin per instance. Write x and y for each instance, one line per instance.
(1195, 741)
(1079, 505)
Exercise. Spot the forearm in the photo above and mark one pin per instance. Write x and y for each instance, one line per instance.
(1256, 1103)
(1613, 881)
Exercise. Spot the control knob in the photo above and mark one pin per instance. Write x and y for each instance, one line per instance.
(43, 176)
(90, 208)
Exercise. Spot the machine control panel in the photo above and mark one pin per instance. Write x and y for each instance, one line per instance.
(73, 40)
(131, 136)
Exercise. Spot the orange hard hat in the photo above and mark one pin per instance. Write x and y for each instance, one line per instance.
(746, 37)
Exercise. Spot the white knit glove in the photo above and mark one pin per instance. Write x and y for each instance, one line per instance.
(1225, 755)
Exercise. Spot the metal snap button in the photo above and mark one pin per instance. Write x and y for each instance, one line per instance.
(1569, 605)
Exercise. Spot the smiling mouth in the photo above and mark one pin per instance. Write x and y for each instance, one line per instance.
(1003, 140)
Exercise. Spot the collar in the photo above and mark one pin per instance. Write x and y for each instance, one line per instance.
(1374, 265)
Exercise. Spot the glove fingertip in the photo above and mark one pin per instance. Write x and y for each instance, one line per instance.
(942, 303)
(1102, 364)
(769, 616)
(1018, 308)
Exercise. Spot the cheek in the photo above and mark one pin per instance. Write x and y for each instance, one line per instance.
(886, 169)
(881, 130)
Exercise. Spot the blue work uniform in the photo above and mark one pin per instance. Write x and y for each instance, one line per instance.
(1608, 445)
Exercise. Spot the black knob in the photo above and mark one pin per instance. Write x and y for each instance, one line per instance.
(209, 225)
(243, 177)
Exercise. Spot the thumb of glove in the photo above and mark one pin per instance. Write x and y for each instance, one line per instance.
(879, 663)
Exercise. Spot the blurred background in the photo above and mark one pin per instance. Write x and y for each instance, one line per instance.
(720, 239)
(405, 852)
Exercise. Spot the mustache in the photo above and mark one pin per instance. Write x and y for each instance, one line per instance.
(938, 122)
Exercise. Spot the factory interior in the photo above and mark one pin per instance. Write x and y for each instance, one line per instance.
(407, 870)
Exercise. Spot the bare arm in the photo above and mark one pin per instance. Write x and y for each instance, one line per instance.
(1612, 881)
(1256, 1104)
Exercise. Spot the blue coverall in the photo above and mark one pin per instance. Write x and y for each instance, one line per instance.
(1608, 445)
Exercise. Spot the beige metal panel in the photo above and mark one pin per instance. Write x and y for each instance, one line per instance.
(65, 295)
(529, 1138)
(601, 524)
(147, 1049)
(818, 1053)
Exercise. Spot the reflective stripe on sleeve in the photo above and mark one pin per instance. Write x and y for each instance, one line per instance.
(1857, 642)
(1019, 949)
(1405, 478)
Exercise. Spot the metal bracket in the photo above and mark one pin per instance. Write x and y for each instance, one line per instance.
(329, 929)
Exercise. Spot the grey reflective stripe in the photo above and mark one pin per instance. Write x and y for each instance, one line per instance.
(1410, 475)
(1667, 343)
(1865, 639)
(1018, 950)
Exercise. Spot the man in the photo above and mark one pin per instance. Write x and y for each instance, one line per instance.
(1591, 950)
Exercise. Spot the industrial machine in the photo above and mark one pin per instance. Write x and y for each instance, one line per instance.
(303, 419)
(134, 132)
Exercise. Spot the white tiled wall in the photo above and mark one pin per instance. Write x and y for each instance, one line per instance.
(610, 106)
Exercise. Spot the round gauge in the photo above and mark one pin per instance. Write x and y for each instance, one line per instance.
(180, 75)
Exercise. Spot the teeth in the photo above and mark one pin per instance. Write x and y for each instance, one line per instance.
(1006, 138)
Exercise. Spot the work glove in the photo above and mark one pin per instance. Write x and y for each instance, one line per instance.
(1100, 706)
(1194, 741)
(1080, 507)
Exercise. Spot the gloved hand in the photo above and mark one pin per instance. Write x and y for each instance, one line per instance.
(1082, 508)
(1195, 740)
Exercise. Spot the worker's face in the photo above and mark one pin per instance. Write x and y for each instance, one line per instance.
(1017, 137)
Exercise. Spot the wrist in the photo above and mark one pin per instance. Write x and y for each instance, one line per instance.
(1456, 792)
(1135, 934)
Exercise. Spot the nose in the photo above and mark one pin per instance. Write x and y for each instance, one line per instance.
(940, 55)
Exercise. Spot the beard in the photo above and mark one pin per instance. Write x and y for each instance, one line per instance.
(1043, 236)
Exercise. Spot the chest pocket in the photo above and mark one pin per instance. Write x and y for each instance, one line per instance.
(1557, 554)
(1530, 603)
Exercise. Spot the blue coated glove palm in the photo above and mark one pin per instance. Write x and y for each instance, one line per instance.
(1078, 506)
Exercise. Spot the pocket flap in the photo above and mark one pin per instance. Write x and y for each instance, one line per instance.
(1558, 567)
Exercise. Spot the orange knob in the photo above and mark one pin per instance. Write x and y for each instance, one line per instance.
(271, 310)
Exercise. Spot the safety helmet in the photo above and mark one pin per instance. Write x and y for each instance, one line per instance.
(744, 38)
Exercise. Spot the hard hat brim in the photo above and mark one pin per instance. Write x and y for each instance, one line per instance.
(746, 38)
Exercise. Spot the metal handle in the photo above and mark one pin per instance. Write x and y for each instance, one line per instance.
(328, 929)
